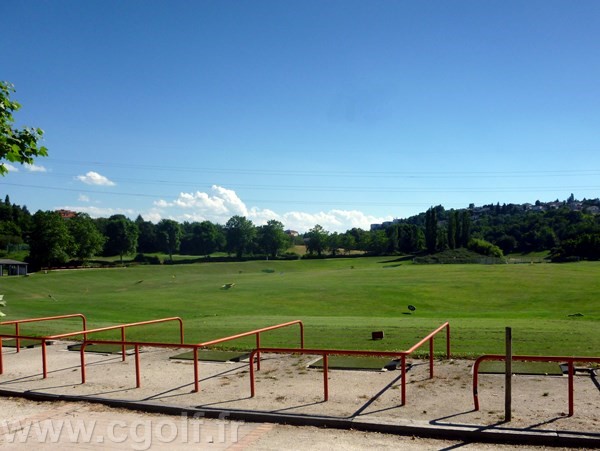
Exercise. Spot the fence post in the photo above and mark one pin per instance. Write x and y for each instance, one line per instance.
(325, 374)
(571, 374)
(196, 375)
(138, 381)
(508, 377)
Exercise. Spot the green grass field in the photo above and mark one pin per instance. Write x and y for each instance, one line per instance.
(341, 301)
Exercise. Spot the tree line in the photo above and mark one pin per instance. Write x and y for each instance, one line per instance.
(53, 240)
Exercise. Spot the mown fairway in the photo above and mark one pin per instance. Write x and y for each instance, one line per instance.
(341, 301)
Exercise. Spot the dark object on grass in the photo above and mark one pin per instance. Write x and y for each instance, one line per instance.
(576, 314)
(377, 335)
(411, 307)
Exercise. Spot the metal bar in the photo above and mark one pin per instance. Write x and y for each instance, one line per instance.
(196, 372)
(529, 358)
(325, 376)
(251, 366)
(18, 340)
(251, 332)
(431, 358)
(448, 341)
(82, 357)
(138, 378)
(123, 345)
(258, 351)
(403, 382)
(508, 377)
(44, 362)
(104, 329)
(571, 389)
(1, 363)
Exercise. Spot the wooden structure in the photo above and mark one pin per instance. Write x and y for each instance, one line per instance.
(12, 267)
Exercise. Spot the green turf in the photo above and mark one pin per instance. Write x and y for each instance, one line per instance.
(100, 348)
(214, 356)
(535, 368)
(341, 301)
(342, 362)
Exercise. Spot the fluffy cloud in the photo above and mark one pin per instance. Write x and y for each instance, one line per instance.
(83, 198)
(35, 168)
(221, 204)
(93, 178)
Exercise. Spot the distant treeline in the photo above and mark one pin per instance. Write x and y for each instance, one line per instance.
(569, 230)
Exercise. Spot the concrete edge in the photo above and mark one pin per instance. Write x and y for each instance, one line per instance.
(484, 434)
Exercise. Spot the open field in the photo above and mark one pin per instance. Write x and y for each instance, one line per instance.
(341, 301)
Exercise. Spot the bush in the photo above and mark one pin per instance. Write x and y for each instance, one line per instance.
(484, 248)
(147, 259)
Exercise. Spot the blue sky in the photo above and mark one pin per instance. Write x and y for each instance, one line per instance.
(339, 113)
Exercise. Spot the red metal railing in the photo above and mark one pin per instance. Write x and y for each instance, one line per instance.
(325, 353)
(193, 347)
(257, 333)
(85, 332)
(17, 322)
(17, 335)
(532, 358)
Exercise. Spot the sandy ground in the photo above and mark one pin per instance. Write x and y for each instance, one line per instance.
(285, 385)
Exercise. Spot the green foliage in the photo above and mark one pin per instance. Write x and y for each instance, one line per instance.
(272, 239)
(240, 234)
(16, 145)
(169, 236)
(87, 241)
(485, 248)
(122, 236)
(316, 240)
(50, 240)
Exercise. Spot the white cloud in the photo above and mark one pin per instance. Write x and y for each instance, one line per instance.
(83, 198)
(93, 178)
(221, 204)
(35, 168)
(10, 168)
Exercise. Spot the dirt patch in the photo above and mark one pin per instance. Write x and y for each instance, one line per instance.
(285, 384)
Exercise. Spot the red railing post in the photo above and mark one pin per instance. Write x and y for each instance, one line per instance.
(448, 341)
(138, 379)
(123, 345)
(196, 372)
(431, 358)
(403, 384)
(18, 340)
(571, 390)
(258, 351)
(82, 357)
(44, 363)
(252, 388)
(325, 376)
(180, 330)
(301, 334)
(1, 364)
(476, 384)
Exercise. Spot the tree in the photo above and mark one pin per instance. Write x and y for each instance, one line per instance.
(169, 236)
(203, 238)
(451, 230)
(16, 146)
(240, 234)
(50, 241)
(87, 239)
(272, 238)
(147, 239)
(122, 234)
(431, 232)
(316, 240)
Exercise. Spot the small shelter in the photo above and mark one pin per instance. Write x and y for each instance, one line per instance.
(12, 267)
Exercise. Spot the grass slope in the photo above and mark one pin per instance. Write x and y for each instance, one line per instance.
(340, 301)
